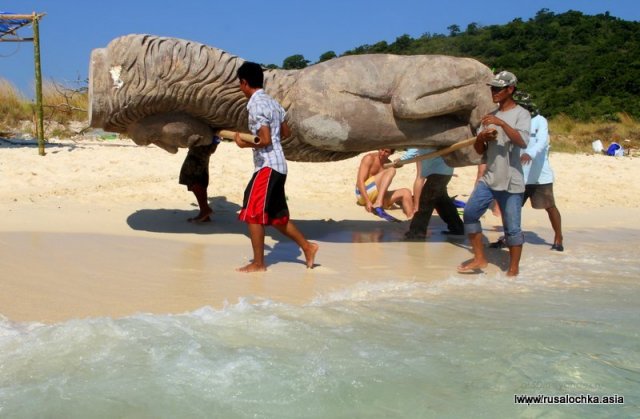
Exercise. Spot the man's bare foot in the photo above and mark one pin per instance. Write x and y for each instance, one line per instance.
(252, 267)
(310, 254)
(472, 265)
(202, 217)
(513, 272)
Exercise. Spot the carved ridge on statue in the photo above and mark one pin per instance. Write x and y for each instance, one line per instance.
(337, 109)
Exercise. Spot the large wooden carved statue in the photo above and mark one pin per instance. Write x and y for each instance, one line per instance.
(176, 93)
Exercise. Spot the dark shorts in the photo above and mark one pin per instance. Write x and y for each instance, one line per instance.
(195, 169)
(264, 199)
(541, 196)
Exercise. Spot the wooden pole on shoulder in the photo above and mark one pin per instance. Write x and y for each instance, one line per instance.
(231, 135)
(437, 153)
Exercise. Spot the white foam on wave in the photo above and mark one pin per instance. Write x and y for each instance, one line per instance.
(10, 328)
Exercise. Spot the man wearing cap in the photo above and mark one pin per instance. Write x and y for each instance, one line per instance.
(502, 136)
(538, 174)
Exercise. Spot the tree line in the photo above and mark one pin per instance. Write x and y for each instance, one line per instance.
(586, 67)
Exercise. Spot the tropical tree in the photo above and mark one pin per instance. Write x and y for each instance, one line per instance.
(295, 62)
(327, 56)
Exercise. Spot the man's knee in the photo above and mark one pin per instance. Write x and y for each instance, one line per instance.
(389, 172)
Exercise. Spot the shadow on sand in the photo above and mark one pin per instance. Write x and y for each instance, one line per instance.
(225, 221)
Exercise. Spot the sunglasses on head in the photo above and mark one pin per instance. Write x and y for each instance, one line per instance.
(497, 89)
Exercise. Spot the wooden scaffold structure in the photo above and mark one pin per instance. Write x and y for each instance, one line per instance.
(10, 23)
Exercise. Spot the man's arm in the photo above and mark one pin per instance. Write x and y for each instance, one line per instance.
(264, 135)
(285, 131)
(541, 141)
(512, 133)
(483, 138)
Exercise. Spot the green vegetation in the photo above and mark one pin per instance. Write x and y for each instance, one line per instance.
(585, 67)
(295, 62)
(61, 106)
(570, 135)
(14, 107)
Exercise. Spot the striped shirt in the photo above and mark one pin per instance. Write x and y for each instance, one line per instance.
(266, 111)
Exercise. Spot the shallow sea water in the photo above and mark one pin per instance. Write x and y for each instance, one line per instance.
(453, 347)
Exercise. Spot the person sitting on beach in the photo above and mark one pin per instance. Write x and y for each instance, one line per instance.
(194, 173)
(373, 181)
(503, 134)
(265, 202)
(433, 195)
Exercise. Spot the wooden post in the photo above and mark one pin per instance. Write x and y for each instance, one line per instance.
(39, 110)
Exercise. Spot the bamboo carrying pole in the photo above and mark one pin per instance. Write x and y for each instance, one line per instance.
(231, 135)
(437, 153)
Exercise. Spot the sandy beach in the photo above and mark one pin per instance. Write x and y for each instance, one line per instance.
(97, 228)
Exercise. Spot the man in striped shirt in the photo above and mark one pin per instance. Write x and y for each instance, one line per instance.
(264, 198)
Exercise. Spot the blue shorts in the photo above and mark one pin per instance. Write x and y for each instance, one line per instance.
(510, 206)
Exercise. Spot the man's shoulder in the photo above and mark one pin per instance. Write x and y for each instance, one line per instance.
(368, 158)
(539, 119)
(521, 110)
(368, 162)
(261, 97)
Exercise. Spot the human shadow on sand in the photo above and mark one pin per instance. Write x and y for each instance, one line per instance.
(225, 221)
(49, 147)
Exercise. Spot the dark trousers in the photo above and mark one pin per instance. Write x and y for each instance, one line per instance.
(434, 195)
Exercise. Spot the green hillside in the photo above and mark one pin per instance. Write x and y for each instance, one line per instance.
(583, 66)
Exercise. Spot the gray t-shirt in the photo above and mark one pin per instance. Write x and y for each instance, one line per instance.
(504, 170)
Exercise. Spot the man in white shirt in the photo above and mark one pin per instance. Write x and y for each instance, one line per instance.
(538, 174)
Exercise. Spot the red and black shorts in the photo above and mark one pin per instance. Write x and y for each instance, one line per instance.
(264, 199)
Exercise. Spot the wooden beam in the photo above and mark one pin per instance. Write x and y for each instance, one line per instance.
(22, 17)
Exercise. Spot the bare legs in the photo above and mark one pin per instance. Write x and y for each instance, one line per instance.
(404, 197)
(386, 197)
(479, 260)
(556, 224)
(383, 180)
(418, 184)
(514, 260)
(308, 248)
(257, 231)
(200, 193)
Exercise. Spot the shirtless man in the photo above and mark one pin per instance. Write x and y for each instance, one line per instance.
(372, 184)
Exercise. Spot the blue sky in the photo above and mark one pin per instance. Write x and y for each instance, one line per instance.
(262, 31)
